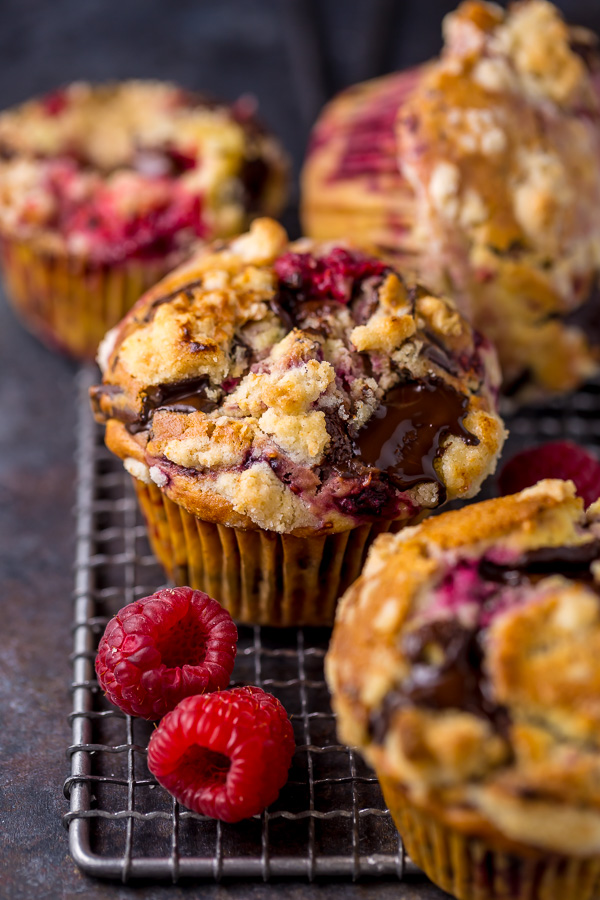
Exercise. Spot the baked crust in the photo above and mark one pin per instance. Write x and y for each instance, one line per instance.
(525, 766)
(138, 151)
(284, 383)
(485, 182)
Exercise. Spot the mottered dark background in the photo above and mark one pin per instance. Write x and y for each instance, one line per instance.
(292, 55)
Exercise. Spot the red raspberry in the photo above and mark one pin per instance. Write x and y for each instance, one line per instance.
(557, 459)
(224, 755)
(331, 276)
(163, 648)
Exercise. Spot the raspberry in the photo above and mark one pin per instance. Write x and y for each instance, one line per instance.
(332, 276)
(224, 755)
(557, 459)
(163, 648)
(55, 102)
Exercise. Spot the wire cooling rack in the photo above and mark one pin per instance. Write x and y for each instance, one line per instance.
(330, 819)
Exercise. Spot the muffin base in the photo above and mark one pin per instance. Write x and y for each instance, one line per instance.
(260, 577)
(67, 303)
(471, 868)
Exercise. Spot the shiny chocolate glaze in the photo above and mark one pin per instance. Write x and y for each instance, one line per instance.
(183, 396)
(190, 394)
(405, 434)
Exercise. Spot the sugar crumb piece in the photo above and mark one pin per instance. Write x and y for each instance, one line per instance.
(304, 438)
(137, 469)
(443, 189)
(385, 333)
(158, 476)
(265, 240)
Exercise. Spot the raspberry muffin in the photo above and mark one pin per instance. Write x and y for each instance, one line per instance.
(279, 405)
(465, 663)
(480, 171)
(105, 188)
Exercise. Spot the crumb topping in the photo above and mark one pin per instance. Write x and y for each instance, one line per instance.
(315, 363)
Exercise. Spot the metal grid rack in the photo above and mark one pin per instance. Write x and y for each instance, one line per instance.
(330, 819)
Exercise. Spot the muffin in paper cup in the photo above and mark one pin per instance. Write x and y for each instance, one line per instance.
(106, 188)
(279, 405)
(479, 170)
(465, 664)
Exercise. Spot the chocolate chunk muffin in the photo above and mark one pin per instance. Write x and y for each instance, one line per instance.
(480, 171)
(280, 404)
(105, 188)
(465, 665)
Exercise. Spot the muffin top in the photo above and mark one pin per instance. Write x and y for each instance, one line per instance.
(299, 388)
(465, 662)
(127, 169)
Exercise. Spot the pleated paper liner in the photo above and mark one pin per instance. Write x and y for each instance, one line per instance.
(260, 577)
(472, 869)
(68, 303)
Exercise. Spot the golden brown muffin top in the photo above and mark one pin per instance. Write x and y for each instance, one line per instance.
(299, 388)
(126, 151)
(465, 662)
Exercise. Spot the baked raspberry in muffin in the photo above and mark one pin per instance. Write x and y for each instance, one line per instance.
(279, 404)
(465, 663)
(480, 170)
(105, 188)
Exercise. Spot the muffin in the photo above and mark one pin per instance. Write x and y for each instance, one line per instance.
(480, 171)
(465, 664)
(278, 405)
(105, 188)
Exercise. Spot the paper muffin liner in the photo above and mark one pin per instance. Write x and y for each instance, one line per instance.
(70, 303)
(260, 577)
(471, 868)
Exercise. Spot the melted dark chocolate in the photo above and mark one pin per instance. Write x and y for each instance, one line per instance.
(457, 682)
(585, 44)
(404, 437)
(572, 561)
(184, 396)
(190, 394)
(587, 316)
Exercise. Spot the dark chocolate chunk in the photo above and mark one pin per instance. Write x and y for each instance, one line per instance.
(572, 560)
(404, 436)
(457, 682)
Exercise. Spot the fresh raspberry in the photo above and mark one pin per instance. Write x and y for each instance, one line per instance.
(163, 648)
(557, 459)
(333, 276)
(55, 102)
(224, 755)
